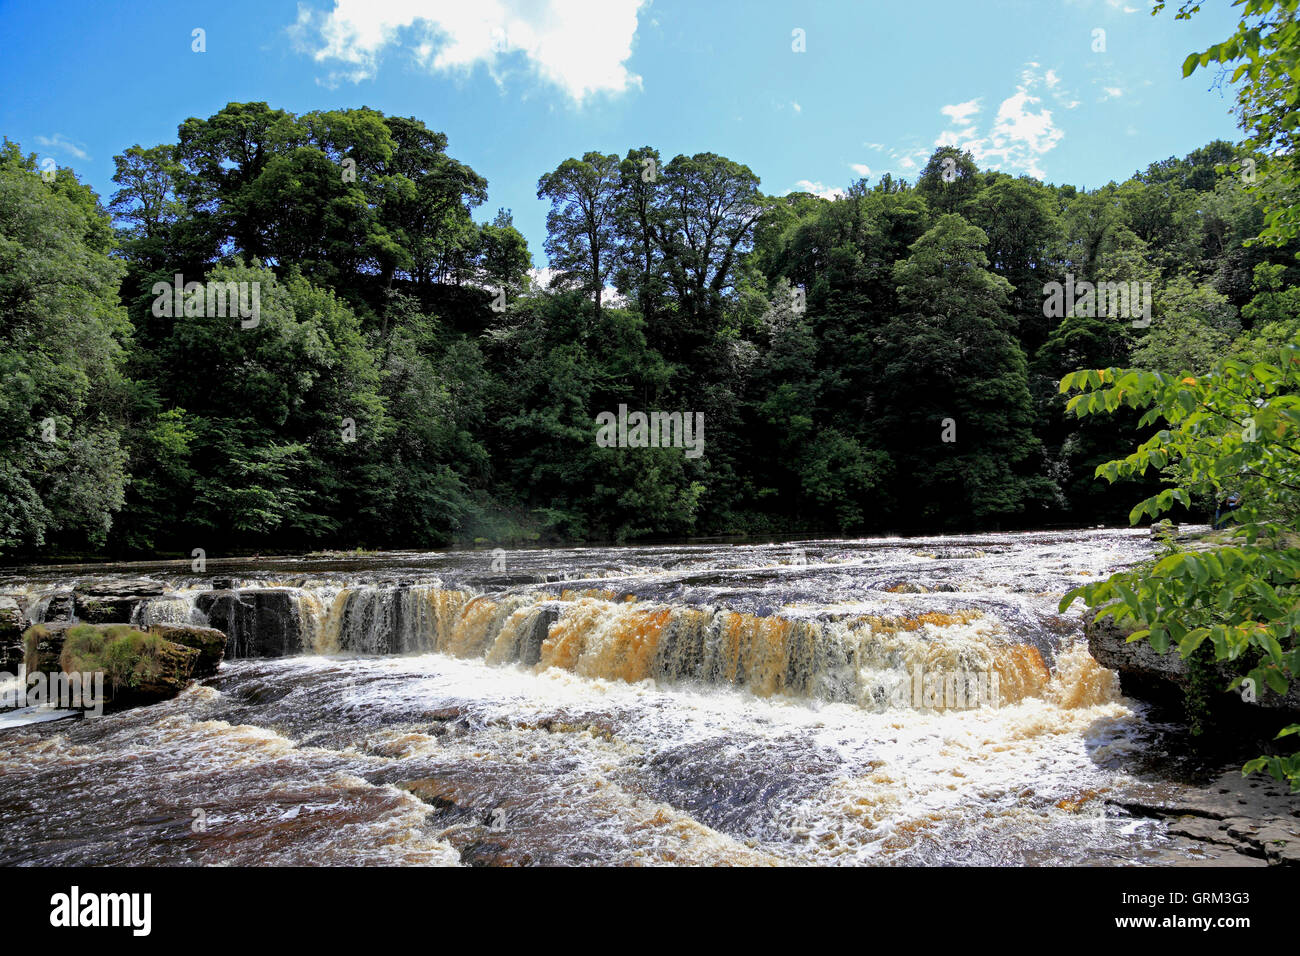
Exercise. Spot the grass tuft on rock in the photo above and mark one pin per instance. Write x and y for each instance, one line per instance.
(32, 637)
(127, 657)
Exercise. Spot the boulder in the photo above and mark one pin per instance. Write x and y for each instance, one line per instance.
(1229, 818)
(43, 645)
(1164, 678)
(138, 667)
(208, 641)
(258, 622)
(110, 609)
(138, 588)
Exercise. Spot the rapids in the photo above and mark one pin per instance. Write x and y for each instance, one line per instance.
(883, 701)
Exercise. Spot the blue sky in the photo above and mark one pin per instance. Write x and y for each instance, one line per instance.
(519, 85)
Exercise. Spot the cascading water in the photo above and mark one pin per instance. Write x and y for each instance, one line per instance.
(884, 701)
(178, 609)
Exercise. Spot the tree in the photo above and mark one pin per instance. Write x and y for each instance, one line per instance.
(503, 256)
(710, 206)
(1273, 314)
(267, 404)
(222, 157)
(1192, 326)
(1266, 51)
(933, 371)
(949, 180)
(580, 226)
(639, 224)
(63, 471)
(425, 198)
(1023, 227)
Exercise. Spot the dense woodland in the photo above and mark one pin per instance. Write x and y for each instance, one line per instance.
(382, 400)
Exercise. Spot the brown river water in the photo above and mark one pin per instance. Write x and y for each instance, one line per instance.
(685, 704)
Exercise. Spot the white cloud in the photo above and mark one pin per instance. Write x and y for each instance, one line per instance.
(1110, 93)
(817, 189)
(961, 113)
(1021, 134)
(60, 143)
(797, 107)
(1016, 123)
(862, 169)
(581, 46)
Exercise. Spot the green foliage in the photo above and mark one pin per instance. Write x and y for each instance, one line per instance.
(1232, 430)
(1192, 326)
(386, 398)
(125, 656)
(62, 468)
(1263, 55)
(933, 360)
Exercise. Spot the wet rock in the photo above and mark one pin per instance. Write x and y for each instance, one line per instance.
(42, 645)
(12, 625)
(257, 622)
(104, 609)
(1283, 853)
(138, 588)
(444, 799)
(57, 606)
(174, 673)
(1230, 817)
(113, 602)
(530, 644)
(1163, 678)
(208, 641)
(908, 587)
(487, 853)
(1199, 828)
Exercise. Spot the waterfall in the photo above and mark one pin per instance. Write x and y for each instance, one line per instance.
(872, 662)
(176, 608)
(927, 660)
(931, 660)
(370, 619)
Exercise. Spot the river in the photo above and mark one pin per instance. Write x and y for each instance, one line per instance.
(789, 703)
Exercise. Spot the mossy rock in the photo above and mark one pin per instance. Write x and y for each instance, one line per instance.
(208, 641)
(138, 667)
(42, 644)
(59, 606)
